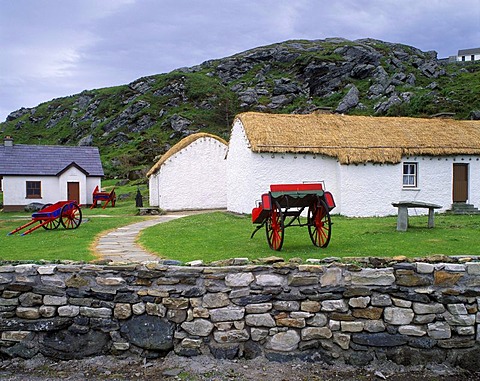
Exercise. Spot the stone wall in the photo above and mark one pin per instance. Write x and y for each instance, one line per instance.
(409, 313)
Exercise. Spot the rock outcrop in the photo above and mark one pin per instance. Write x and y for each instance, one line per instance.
(364, 76)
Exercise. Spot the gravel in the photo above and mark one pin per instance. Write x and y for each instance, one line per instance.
(203, 368)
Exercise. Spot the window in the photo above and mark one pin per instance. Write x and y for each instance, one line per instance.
(410, 171)
(463, 58)
(34, 189)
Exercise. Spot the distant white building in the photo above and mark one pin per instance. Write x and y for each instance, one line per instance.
(47, 174)
(469, 55)
(366, 162)
(190, 175)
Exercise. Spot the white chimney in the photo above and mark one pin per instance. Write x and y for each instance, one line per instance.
(8, 141)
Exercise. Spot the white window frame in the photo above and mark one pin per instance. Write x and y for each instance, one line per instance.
(410, 175)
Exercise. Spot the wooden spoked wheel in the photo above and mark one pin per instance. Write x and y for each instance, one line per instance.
(319, 223)
(274, 228)
(71, 216)
(52, 224)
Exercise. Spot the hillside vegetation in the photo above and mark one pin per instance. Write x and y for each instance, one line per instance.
(134, 124)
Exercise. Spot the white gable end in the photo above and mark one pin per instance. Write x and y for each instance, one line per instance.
(192, 178)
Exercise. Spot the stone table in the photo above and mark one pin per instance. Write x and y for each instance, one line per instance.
(402, 219)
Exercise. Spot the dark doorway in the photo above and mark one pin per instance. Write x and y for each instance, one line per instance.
(73, 192)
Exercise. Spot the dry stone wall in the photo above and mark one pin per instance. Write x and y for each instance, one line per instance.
(409, 313)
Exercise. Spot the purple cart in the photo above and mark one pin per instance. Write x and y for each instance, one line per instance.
(67, 213)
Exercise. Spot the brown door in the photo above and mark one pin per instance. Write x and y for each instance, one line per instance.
(73, 192)
(460, 182)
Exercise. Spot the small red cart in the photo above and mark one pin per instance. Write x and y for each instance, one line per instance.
(103, 196)
(67, 213)
(282, 207)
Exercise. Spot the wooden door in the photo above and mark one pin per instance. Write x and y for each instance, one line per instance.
(73, 192)
(460, 182)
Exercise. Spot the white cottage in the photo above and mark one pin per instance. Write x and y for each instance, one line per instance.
(469, 55)
(190, 175)
(47, 174)
(366, 162)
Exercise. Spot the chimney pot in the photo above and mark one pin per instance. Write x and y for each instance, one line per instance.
(8, 141)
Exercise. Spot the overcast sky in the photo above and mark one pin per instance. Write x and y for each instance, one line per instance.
(55, 48)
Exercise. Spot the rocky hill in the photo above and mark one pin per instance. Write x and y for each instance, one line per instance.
(133, 124)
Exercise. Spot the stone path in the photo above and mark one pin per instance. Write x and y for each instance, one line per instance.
(119, 245)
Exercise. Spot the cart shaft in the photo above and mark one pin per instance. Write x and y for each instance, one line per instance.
(37, 226)
(21, 227)
(42, 223)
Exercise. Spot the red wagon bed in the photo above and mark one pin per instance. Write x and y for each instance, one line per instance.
(106, 197)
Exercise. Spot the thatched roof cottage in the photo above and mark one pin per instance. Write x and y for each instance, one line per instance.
(366, 162)
(190, 175)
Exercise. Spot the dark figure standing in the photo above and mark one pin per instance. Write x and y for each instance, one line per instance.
(139, 199)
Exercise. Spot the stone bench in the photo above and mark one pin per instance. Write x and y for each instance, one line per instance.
(149, 210)
(402, 219)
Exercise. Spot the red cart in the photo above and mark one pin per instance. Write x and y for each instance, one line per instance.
(103, 196)
(67, 213)
(282, 207)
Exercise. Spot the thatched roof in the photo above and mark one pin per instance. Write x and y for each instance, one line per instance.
(181, 145)
(360, 139)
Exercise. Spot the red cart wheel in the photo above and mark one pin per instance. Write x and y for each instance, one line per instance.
(319, 223)
(274, 228)
(52, 224)
(71, 216)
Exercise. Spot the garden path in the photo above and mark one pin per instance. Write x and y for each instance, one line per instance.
(120, 244)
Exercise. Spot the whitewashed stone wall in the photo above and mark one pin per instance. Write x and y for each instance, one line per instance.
(403, 312)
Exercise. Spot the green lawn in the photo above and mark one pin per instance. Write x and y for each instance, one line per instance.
(59, 244)
(217, 236)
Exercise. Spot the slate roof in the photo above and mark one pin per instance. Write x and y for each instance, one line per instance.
(467, 52)
(38, 160)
